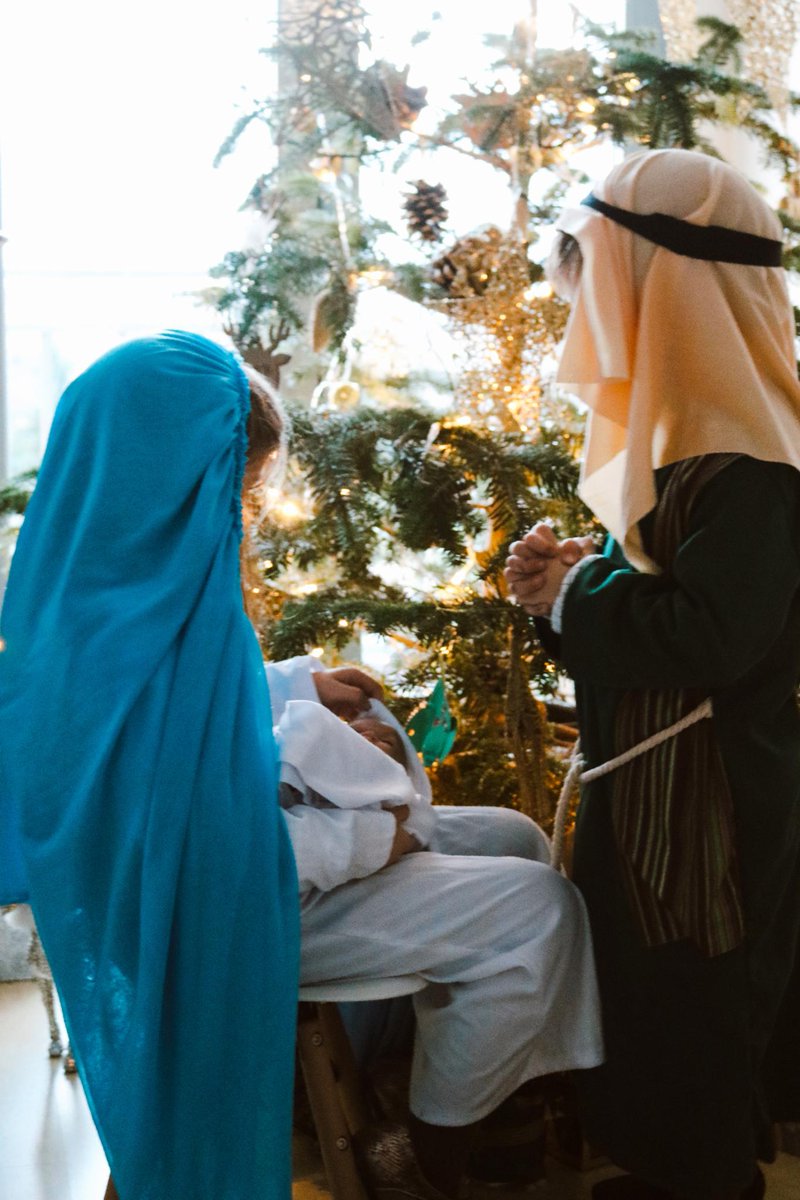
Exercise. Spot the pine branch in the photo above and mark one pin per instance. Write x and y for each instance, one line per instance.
(317, 619)
(15, 494)
(722, 46)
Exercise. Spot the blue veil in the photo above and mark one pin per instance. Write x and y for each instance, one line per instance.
(138, 807)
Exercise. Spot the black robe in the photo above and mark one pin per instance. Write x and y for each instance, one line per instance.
(703, 1054)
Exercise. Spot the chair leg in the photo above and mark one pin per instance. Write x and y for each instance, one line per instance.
(334, 1095)
(348, 1075)
(111, 1191)
(44, 979)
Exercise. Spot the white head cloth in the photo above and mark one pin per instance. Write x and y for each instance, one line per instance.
(675, 356)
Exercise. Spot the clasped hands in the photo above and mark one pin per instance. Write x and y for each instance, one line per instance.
(536, 567)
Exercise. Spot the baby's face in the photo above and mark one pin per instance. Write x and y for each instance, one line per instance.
(381, 735)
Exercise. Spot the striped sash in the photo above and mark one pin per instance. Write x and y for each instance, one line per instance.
(671, 808)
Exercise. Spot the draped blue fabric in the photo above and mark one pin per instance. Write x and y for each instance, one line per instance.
(139, 782)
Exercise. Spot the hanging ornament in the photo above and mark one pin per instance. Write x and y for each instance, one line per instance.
(390, 105)
(425, 210)
(335, 395)
(769, 31)
(344, 395)
(331, 315)
(263, 358)
(490, 119)
(466, 269)
(505, 325)
(679, 26)
(432, 729)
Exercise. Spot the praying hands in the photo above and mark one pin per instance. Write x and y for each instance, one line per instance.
(536, 567)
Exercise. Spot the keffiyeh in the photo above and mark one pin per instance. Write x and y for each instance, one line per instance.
(675, 356)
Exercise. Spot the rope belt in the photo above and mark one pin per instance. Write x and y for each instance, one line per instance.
(576, 775)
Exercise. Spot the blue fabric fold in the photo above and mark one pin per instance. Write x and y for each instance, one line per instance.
(138, 777)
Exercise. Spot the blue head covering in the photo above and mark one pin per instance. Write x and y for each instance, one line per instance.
(138, 804)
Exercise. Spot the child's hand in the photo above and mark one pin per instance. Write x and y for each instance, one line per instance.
(346, 691)
(404, 842)
(536, 566)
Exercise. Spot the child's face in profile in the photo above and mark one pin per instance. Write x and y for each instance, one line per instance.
(381, 735)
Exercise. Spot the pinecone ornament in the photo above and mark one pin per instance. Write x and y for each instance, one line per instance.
(425, 210)
(467, 268)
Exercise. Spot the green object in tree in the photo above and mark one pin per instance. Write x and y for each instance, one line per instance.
(432, 729)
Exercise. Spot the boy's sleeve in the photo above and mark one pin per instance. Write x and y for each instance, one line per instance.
(334, 846)
(291, 679)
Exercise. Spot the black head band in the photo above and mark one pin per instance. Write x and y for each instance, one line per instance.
(714, 243)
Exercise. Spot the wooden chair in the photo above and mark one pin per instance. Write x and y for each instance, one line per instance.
(332, 1079)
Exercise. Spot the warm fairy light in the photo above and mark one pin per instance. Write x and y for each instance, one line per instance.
(343, 623)
(265, 564)
(543, 290)
(256, 591)
(325, 169)
(308, 589)
(317, 652)
(290, 510)
(632, 85)
(586, 106)
(375, 276)
(344, 491)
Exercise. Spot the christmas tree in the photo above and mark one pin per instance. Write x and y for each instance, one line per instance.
(407, 483)
(399, 507)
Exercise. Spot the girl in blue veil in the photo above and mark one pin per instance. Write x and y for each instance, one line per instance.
(138, 803)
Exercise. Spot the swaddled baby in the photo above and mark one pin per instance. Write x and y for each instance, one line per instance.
(356, 773)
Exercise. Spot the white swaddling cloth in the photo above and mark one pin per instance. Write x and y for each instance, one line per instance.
(319, 752)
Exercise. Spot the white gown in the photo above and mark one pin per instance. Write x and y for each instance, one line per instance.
(502, 937)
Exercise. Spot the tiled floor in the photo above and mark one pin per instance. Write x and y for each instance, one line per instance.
(49, 1150)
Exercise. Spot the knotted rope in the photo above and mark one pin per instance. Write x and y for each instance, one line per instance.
(576, 774)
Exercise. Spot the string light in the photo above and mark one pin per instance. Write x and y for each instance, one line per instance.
(289, 510)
